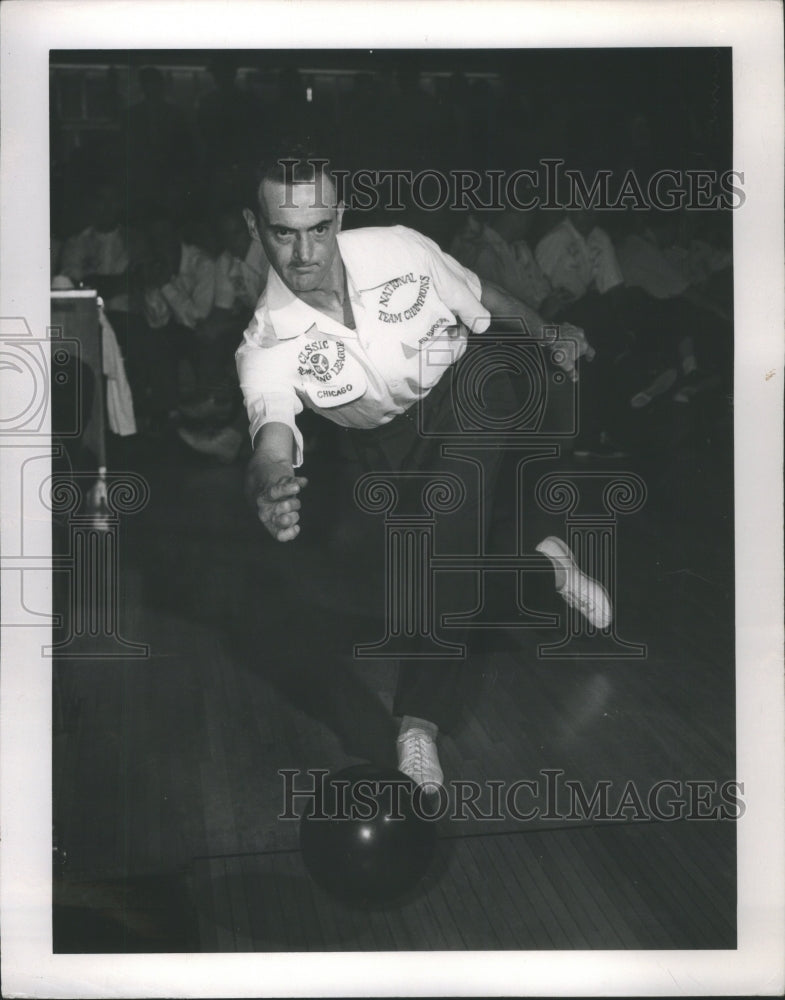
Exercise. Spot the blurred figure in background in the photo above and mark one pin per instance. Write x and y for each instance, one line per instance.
(241, 274)
(702, 325)
(178, 281)
(104, 256)
(495, 246)
(587, 288)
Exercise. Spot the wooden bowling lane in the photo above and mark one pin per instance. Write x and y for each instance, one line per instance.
(172, 763)
(630, 886)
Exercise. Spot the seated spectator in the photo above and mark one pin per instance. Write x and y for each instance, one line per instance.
(179, 279)
(179, 292)
(242, 268)
(646, 344)
(649, 260)
(103, 256)
(644, 263)
(100, 255)
(702, 325)
(587, 289)
(497, 250)
(241, 274)
(240, 277)
(577, 256)
(703, 255)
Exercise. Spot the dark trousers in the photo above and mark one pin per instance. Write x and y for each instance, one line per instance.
(437, 689)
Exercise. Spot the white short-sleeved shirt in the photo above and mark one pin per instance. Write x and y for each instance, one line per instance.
(407, 297)
(188, 296)
(573, 263)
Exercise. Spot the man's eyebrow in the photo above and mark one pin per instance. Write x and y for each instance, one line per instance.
(288, 229)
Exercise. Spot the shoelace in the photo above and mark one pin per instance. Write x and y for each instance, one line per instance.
(415, 754)
(414, 745)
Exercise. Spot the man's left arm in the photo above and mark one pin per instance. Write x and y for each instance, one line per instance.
(460, 289)
(567, 342)
(504, 307)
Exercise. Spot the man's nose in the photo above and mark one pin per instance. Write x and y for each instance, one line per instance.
(303, 248)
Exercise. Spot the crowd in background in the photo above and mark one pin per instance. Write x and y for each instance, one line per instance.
(152, 217)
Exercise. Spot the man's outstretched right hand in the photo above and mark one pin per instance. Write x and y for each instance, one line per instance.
(278, 506)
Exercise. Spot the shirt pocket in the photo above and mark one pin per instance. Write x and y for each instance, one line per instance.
(328, 373)
(430, 343)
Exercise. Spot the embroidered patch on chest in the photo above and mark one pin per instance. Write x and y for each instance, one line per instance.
(322, 359)
(330, 376)
(402, 298)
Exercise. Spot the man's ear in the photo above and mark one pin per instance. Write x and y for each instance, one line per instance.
(250, 221)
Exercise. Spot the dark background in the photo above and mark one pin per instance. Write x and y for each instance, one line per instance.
(165, 769)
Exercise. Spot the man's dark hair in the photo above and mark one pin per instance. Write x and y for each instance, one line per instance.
(292, 163)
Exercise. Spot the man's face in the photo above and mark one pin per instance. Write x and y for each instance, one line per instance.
(300, 234)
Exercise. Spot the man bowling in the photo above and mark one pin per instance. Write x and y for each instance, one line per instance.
(356, 326)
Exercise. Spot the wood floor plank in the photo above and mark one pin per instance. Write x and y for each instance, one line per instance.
(609, 895)
(487, 922)
(463, 902)
(689, 892)
(309, 932)
(515, 895)
(529, 863)
(632, 851)
(264, 915)
(651, 926)
(221, 908)
(238, 901)
(579, 891)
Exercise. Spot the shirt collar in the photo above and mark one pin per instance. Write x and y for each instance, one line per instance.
(291, 317)
(365, 269)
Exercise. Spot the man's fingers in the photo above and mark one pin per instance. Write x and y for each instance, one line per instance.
(285, 488)
(285, 506)
(273, 514)
(278, 506)
(283, 527)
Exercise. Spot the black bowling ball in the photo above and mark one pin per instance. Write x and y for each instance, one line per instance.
(363, 838)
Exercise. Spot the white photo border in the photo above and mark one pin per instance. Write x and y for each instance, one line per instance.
(30, 28)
